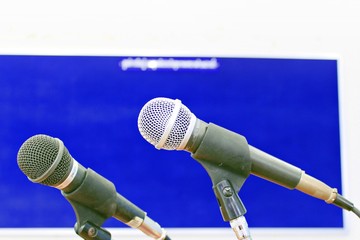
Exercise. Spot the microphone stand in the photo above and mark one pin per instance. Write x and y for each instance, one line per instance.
(93, 208)
(88, 225)
(90, 231)
(232, 209)
(228, 173)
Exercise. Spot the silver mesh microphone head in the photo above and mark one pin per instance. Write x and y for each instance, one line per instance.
(44, 160)
(166, 123)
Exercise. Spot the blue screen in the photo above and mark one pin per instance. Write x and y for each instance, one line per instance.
(285, 107)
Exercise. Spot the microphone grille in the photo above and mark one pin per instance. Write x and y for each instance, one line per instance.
(157, 117)
(37, 155)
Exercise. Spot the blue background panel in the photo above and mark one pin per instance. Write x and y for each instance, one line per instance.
(286, 107)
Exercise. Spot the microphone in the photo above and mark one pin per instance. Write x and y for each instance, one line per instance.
(45, 160)
(170, 125)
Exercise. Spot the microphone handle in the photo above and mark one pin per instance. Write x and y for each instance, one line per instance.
(139, 219)
(231, 151)
(275, 170)
(289, 176)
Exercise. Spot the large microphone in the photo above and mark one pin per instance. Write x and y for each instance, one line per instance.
(45, 160)
(168, 124)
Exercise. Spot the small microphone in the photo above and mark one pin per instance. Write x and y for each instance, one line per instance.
(45, 160)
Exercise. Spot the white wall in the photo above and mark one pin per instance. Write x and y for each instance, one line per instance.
(277, 28)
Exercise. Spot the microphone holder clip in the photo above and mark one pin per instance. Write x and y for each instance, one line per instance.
(92, 208)
(89, 222)
(228, 171)
(231, 206)
(89, 231)
(232, 209)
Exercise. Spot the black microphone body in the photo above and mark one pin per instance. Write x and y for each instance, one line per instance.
(46, 160)
(212, 143)
(95, 192)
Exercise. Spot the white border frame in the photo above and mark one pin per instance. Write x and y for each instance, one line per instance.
(237, 28)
